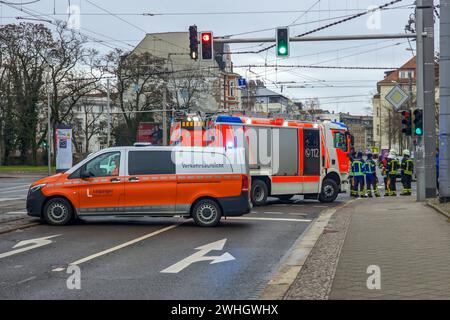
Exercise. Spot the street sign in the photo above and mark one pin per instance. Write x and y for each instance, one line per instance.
(201, 256)
(32, 244)
(397, 97)
(242, 82)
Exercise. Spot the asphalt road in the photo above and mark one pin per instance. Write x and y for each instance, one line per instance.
(14, 188)
(154, 258)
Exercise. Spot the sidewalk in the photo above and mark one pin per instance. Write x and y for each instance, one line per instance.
(407, 240)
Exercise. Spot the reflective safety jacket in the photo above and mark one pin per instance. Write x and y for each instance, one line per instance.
(358, 167)
(407, 166)
(392, 166)
(370, 167)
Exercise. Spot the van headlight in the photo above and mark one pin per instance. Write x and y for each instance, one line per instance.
(37, 187)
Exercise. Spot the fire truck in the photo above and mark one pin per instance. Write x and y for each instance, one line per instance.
(285, 157)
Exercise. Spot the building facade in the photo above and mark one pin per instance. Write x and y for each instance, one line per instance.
(387, 121)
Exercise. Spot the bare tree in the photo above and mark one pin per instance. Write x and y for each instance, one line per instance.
(89, 122)
(74, 72)
(24, 45)
(140, 82)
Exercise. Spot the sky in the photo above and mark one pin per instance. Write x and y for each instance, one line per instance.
(338, 90)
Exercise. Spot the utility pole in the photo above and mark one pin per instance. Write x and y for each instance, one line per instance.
(108, 97)
(164, 117)
(444, 112)
(426, 144)
(49, 132)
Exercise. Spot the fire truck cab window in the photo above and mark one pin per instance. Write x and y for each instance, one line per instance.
(340, 141)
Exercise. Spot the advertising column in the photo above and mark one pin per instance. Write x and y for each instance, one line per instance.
(63, 148)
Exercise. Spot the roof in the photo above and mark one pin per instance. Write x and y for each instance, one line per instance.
(264, 92)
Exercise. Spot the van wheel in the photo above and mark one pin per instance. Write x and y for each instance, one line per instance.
(206, 213)
(259, 193)
(330, 191)
(58, 212)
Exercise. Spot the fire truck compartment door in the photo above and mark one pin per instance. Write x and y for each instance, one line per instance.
(311, 160)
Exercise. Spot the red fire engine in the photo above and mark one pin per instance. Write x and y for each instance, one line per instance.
(286, 158)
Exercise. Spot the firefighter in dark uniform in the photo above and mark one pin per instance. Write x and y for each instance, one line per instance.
(393, 165)
(370, 170)
(407, 172)
(353, 192)
(358, 175)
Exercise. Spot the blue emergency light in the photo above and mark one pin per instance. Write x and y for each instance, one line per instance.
(228, 119)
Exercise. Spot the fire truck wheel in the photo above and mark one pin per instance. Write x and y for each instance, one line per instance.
(206, 213)
(330, 191)
(259, 193)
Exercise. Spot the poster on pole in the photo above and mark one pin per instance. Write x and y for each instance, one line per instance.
(63, 148)
(150, 132)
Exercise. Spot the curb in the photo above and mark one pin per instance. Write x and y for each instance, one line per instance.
(22, 226)
(435, 207)
(293, 261)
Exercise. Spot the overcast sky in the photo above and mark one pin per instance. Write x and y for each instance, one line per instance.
(338, 90)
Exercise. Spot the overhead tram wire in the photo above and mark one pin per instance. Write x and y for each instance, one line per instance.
(346, 19)
(53, 22)
(131, 24)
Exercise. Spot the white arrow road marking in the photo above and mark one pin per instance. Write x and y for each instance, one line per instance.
(35, 243)
(201, 256)
(123, 245)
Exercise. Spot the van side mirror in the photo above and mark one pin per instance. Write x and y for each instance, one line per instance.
(85, 175)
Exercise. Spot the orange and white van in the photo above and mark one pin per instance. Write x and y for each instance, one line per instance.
(202, 183)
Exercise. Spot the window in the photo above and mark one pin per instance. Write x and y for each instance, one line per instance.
(232, 85)
(150, 162)
(105, 165)
(405, 74)
(340, 141)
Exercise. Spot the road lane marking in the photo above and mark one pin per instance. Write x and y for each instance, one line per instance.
(35, 243)
(26, 280)
(268, 219)
(16, 187)
(118, 247)
(15, 191)
(15, 212)
(11, 199)
(273, 212)
(201, 256)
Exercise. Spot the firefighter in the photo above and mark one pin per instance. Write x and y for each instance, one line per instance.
(370, 170)
(358, 175)
(382, 163)
(407, 167)
(392, 168)
(351, 178)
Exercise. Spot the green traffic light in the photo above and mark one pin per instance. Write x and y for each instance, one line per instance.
(282, 50)
(418, 131)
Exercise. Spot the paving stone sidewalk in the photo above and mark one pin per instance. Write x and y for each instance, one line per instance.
(409, 241)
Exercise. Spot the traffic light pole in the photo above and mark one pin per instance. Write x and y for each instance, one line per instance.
(426, 144)
(444, 111)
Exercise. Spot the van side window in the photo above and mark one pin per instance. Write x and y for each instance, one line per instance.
(105, 165)
(150, 162)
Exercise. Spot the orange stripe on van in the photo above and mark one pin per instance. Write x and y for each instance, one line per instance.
(284, 179)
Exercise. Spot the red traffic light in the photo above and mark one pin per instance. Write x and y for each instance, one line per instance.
(406, 114)
(206, 37)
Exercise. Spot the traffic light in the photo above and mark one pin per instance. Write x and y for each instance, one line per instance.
(44, 144)
(282, 42)
(206, 39)
(406, 123)
(193, 42)
(418, 122)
